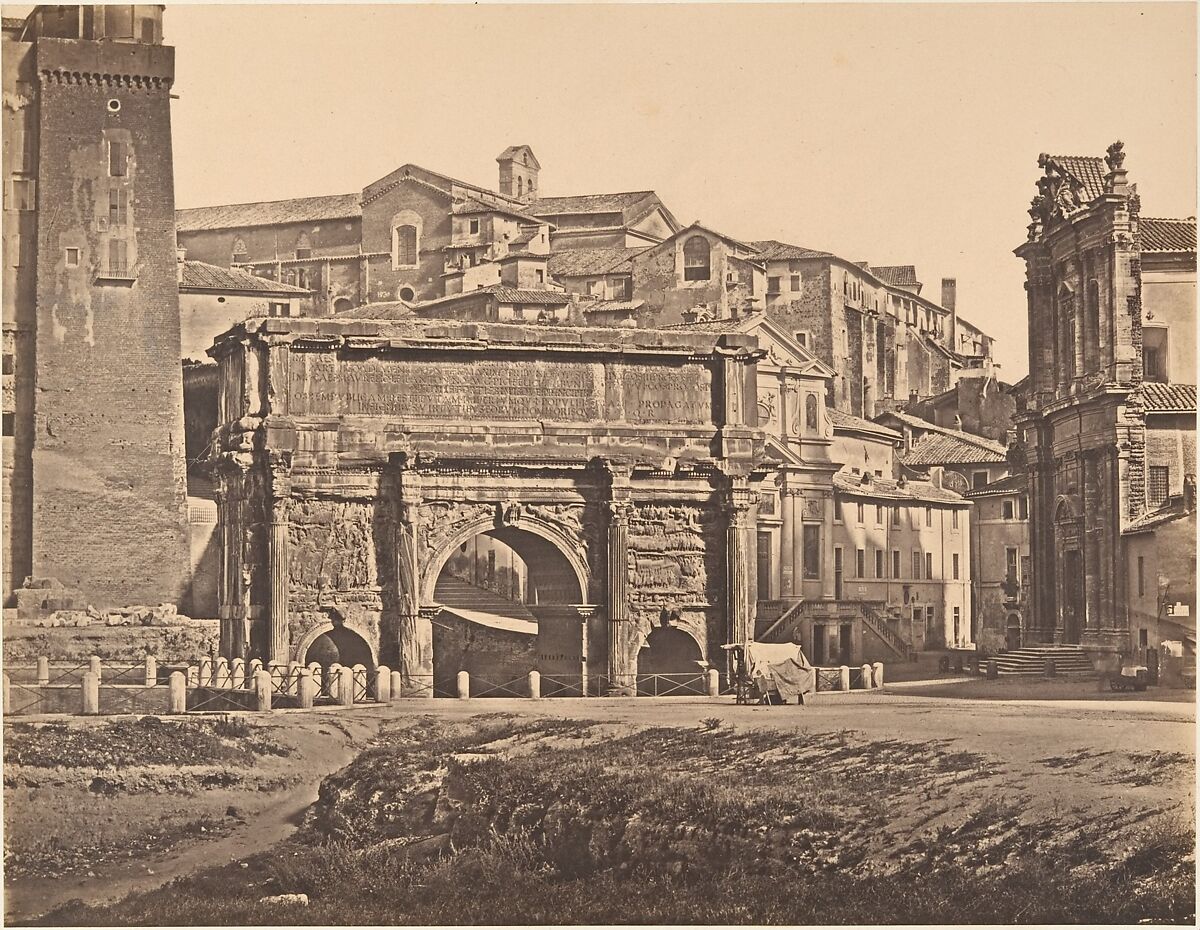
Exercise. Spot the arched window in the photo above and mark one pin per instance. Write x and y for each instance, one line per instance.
(696, 259)
(342, 304)
(520, 186)
(810, 413)
(1093, 358)
(240, 253)
(404, 245)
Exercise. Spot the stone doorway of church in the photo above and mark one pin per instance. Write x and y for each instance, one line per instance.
(1072, 595)
(506, 597)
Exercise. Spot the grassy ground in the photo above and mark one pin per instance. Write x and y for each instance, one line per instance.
(508, 819)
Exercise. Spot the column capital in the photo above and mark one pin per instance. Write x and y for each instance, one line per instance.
(619, 510)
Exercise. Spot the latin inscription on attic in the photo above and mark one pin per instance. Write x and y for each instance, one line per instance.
(497, 390)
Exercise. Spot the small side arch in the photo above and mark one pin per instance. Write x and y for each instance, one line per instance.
(306, 642)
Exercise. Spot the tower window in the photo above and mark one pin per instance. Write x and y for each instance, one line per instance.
(118, 206)
(696, 259)
(24, 194)
(118, 258)
(72, 258)
(474, 227)
(118, 159)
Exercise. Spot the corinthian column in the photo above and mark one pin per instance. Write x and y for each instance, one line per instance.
(739, 610)
(622, 662)
(279, 638)
(415, 633)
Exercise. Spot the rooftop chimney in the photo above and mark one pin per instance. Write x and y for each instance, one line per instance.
(949, 285)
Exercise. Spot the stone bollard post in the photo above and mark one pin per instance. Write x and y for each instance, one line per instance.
(206, 672)
(973, 664)
(463, 681)
(94, 666)
(91, 693)
(843, 678)
(305, 686)
(151, 671)
(237, 671)
(314, 671)
(263, 689)
(877, 678)
(177, 694)
(866, 677)
(993, 669)
(535, 685)
(360, 680)
(43, 670)
(252, 669)
(192, 676)
(713, 682)
(221, 673)
(334, 683)
(4, 697)
(397, 685)
(383, 684)
(293, 677)
(344, 682)
(1048, 669)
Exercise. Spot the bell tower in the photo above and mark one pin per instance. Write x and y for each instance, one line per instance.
(519, 173)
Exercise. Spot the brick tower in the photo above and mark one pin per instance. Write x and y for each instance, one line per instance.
(96, 426)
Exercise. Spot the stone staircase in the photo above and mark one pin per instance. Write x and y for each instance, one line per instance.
(1068, 660)
(454, 592)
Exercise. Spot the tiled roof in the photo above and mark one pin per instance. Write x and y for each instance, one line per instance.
(574, 262)
(1010, 484)
(588, 203)
(1088, 171)
(514, 150)
(472, 206)
(942, 445)
(205, 277)
(1166, 235)
(269, 213)
(896, 275)
(849, 421)
(1173, 508)
(773, 250)
(888, 489)
(512, 295)
(1169, 398)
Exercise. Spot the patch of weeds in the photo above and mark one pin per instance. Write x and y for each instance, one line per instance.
(712, 723)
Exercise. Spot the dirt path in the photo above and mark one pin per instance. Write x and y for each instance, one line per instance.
(322, 743)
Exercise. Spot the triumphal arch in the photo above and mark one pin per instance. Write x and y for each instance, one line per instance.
(433, 495)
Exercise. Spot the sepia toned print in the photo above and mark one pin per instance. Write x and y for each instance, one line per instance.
(617, 536)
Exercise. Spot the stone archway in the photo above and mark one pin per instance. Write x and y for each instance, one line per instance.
(671, 661)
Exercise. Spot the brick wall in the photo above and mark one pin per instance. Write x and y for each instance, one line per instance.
(109, 511)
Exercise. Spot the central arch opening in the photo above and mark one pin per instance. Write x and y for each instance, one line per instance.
(506, 596)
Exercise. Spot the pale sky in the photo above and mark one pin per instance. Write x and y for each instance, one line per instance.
(894, 134)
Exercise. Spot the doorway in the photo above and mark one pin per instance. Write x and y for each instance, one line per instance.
(1072, 580)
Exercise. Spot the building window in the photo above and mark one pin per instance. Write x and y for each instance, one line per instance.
(795, 282)
(1009, 509)
(619, 288)
(278, 309)
(929, 565)
(954, 519)
(1158, 486)
(1023, 507)
(954, 566)
(896, 516)
(1154, 353)
(240, 253)
(474, 227)
(540, 275)
(405, 245)
(595, 289)
(773, 285)
(24, 194)
(407, 293)
(957, 617)
(979, 479)
(1141, 571)
(118, 264)
(1010, 566)
(518, 311)
(118, 159)
(812, 550)
(895, 563)
(8, 424)
(696, 259)
(879, 514)
(861, 513)
(118, 206)
(916, 565)
(878, 563)
(929, 516)
(860, 563)
(8, 363)
(72, 258)
(802, 338)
